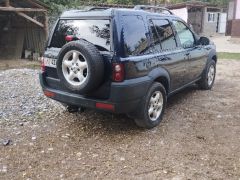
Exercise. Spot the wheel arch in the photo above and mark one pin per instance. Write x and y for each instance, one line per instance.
(212, 56)
(162, 76)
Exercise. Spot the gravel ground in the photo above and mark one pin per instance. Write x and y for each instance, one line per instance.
(198, 138)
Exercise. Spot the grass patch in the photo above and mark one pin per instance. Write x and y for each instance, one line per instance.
(225, 55)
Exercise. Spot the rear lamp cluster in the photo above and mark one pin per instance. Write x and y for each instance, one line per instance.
(68, 38)
(118, 72)
(43, 67)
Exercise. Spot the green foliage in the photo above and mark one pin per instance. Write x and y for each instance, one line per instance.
(217, 2)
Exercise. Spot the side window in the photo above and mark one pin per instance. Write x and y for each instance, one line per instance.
(135, 40)
(155, 40)
(185, 35)
(165, 34)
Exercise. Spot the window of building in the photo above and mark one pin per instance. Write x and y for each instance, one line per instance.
(211, 17)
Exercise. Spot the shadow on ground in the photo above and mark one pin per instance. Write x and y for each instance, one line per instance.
(106, 123)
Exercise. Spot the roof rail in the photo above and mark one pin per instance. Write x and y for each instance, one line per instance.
(97, 8)
(157, 9)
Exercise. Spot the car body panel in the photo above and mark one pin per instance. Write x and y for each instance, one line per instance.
(176, 69)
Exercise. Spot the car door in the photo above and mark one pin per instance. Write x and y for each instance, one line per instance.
(171, 57)
(197, 55)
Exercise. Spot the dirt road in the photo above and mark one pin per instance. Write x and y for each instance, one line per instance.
(226, 44)
(199, 137)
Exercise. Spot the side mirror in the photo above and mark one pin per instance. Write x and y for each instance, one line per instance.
(203, 41)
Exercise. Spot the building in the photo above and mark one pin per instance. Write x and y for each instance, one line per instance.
(205, 18)
(233, 19)
(23, 28)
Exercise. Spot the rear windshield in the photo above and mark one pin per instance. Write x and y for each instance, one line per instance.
(96, 32)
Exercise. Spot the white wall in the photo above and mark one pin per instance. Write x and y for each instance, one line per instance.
(231, 10)
(182, 13)
(237, 9)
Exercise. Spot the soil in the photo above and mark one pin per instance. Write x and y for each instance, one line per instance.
(197, 139)
(226, 44)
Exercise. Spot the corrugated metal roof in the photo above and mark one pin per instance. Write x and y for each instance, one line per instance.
(25, 4)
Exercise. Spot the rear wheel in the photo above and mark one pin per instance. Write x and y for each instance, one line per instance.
(152, 108)
(208, 76)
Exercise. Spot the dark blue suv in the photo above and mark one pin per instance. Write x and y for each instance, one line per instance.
(124, 61)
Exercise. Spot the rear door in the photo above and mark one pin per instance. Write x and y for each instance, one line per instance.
(95, 31)
(164, 44)
(197, 55)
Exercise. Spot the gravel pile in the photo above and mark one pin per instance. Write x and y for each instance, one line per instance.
(21, 96)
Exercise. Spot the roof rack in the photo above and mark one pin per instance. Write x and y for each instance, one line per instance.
(97, 8)
(157, 9)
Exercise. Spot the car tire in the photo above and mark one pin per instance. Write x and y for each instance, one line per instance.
(152, 107)
(80, 66)
(208, 77)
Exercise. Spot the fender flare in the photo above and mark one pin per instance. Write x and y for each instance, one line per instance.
(211, 55)
(161, 74)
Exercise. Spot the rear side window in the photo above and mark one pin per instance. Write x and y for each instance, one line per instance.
(155, 43)
(163, 31)
(135, 40)
(96, 32)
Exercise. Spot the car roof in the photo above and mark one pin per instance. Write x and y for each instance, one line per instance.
(85, 13)
(100, 13)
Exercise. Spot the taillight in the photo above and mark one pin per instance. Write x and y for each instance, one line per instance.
(43, 67)
(69, 38)
(118, 72)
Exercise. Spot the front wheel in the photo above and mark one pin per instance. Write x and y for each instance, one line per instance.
(152, 107)
(208, 76)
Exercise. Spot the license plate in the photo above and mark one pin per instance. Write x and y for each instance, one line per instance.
(49, 62)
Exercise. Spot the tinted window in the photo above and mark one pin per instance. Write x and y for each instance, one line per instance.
(155, 42)
(165, 34)
(135, 40)
(93, 31)
(185, 35)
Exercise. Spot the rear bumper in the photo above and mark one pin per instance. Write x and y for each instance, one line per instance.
(124, 97)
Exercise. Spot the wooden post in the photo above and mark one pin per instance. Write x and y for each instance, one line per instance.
(10, 8)
(46, 24)
(7, 3)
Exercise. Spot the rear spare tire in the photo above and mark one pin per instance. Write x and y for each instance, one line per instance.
(80, 66)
